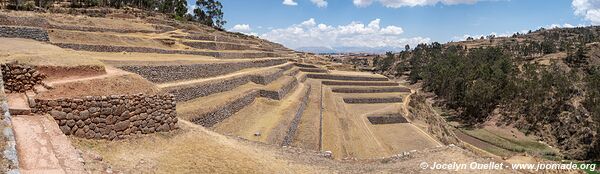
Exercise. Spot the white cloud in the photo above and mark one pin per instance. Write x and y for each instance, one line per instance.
(319, 3)
(589, 9)
(355, 34)
(362, 3)
(566, 25)
(411, 3)
(290, 2)
(241, 28)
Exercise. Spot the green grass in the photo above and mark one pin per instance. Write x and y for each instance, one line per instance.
(515, 145)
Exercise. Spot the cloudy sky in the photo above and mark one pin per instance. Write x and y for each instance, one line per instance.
(395, 23)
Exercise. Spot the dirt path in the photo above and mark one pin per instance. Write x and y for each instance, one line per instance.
(43, 148)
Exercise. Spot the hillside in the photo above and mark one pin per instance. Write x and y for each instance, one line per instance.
(540, 86)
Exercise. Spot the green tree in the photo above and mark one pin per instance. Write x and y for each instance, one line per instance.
(209, 12)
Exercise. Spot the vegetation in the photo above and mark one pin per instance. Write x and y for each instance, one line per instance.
(207, 12)
(500, 77)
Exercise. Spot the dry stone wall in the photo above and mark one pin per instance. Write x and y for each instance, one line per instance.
(291, 133)
(20, 78)
(342, 77)
(342, 83)
(314, 70)
(217, 46)
(167, 73)
(111, 117)
(372, 100)
(280, 93)
(221, 113)
(112, 48)
(24, 32)
(370, 90)
(191, 91)
(387, 119)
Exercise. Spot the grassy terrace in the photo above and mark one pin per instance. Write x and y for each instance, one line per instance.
(518, 145)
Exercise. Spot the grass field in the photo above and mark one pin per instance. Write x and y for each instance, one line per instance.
(518, 145)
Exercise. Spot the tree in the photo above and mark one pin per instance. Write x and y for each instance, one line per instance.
(208, 12)
(577, 59)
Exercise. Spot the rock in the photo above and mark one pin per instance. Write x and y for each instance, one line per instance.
(120, 126)
(80, 133)
(66, 130)
(84, 114)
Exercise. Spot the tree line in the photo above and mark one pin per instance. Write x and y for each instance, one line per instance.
(207, 12)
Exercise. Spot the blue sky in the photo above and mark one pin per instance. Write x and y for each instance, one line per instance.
(394, 23)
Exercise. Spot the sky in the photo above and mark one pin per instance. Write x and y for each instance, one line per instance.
(395, 23)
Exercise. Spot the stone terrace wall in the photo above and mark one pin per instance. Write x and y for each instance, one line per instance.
(221, 113)
(23, 21)
(372, 100)
(291, 133)
(370, 90)
(217, 46)
(342, 77)
(314, 70)
(360, 83)
(24, 32)
(111, 48)
(387, 119)
(20, 78)
(167, 73)
(43, 23)
(111, 117)
(280, 93)
(191, 91)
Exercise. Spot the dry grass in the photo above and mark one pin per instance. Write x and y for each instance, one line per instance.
(96, 38)
(269, 117)
(192, 149)
(514, 144)
(41, 54)
(111, 85)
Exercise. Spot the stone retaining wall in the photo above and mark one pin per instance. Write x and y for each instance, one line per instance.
(43, 23)
(305, 65)
(370, 90)
(280, 93)
(167, 73)
(100, 29)
(342, 77)
(387, 119)
(221, 113)
(191, 91)
(314, 70)
(111, 117)
(23, 21)
(372, 100)
(24, 32)
(8, 136)
(218, 46)
(111, 48)
(291, 133)
(341, 83)
(20, 78)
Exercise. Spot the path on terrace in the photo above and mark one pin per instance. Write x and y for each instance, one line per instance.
(43, 148)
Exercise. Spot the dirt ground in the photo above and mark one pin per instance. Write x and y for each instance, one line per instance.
(114, 82)
(268, 117)
(193, 149)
